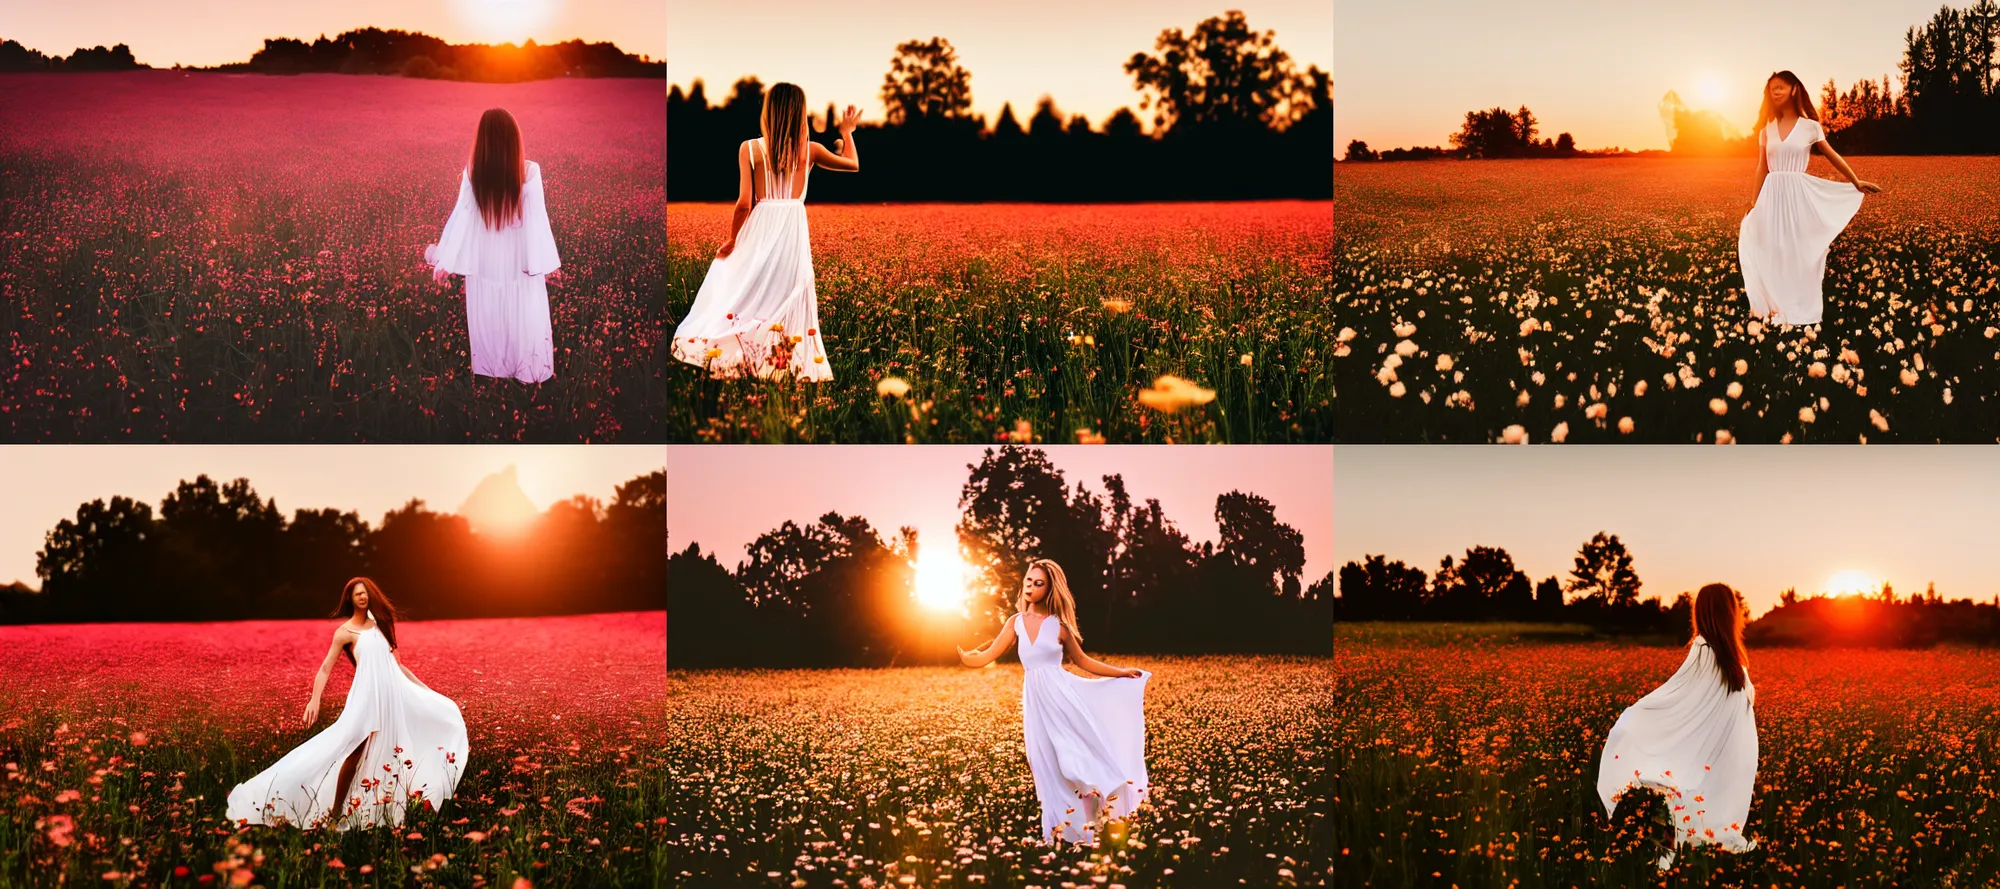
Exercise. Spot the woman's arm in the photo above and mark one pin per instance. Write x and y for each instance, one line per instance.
(1090, 664)
(325, 672)
(1763, 171)
(1840, 163)
(991, 651)
(848, 160)
(746, 198)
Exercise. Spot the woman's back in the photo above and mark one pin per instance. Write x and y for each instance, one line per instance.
(779, 181)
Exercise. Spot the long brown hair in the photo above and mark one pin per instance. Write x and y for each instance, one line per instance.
(1802, 103)
(498, 168)
(1061, 603)
(379, 608)
(784, 131)
(1718, 619)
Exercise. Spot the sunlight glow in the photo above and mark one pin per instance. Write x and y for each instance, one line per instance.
(1853, 583)
(1710, 90)
(941, 583)
(505, 21)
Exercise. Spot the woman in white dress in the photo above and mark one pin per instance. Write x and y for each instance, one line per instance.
(1694, 739)
(1783, 240)
(498, 237)
(396, 742)
(1085, 738)
(756, 313)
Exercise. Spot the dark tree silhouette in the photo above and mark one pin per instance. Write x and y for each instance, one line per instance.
(1223, 74)
(1378, 589)
(1357, 150)
(1017, 508)
(926, 83)
(1252, 536)
(1603, 572)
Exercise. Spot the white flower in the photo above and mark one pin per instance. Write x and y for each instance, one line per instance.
(1405, 329)
(1346, 335)
(1806, 414)
(1735, 389)
(1881, 422)
(1406, 348)
(1742, 367)
(1818, 369)
(1444, 363)
(1909, 377)
(1514, 434)
(1561, 433)
(1625, 425)
(1719, 406)
(1724, 436)
(1596, 411)
(1396, 390)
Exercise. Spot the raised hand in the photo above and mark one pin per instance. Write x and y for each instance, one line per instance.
(850, 119)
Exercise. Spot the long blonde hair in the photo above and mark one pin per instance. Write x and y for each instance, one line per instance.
(1061, 603)
(783, 123)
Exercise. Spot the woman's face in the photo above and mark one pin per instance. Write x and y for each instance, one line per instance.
(1035, 586)
(360, 596)
(1778, 91)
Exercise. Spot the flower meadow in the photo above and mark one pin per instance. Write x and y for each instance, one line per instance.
(1044, 323)
(1602, 301)
(239, 258)
(917, 777)
(120, 742)
(1468, 755)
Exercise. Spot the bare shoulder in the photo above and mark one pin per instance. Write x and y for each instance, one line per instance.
(344, 632)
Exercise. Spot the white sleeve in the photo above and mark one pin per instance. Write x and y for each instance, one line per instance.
(539, 256)
(453, 251)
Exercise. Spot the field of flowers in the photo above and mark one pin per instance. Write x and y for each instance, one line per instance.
(916, 777)
(1135, 323)
(204, 258)
(1468, 755)
(1601, 301)
(120, 742)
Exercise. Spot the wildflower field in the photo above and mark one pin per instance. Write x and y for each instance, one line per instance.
(120, 742)
(1602, 301)
(239, 258)
(917, 777)
(1046, 323)
(1467, 755)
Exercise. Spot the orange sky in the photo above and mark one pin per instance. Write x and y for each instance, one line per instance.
(212, 32)
(45, 483)
(1073, 50)
(1757, 518)
(1409, 70)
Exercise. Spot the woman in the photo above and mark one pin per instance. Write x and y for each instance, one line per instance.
(396, 742)
(1086, 738)
(756, 313)
(1783, 240)
(1694, 739)
(498, 237)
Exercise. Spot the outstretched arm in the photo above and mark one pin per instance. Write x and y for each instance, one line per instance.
(325, 672)
(1090, 664)
(1840, 163)
(991, 651)
(848, 160)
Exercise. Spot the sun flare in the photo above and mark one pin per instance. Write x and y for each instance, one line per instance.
(1710, 90)
(941, 580)
(505, 21)
(1852, 583)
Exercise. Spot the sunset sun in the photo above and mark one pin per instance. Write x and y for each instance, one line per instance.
(1852, 583)
(506, 21)
(941, 580)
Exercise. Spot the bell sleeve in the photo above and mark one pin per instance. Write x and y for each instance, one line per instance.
(454, 250)
(538, 256)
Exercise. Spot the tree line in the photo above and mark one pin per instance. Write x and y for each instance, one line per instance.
(1229, 116)
(378, 51)
(219, 551)
(838, 591)
(1949, 103)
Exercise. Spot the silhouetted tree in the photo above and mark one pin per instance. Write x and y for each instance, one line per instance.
(1603, 572)
(1223, 74)
(1378, 589)
(926, 83)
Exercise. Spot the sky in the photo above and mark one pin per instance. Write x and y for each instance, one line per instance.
(213, 32)
(45, 484)
(1073, 50)
(1760, 519)
(1408, 71)
(723, 497)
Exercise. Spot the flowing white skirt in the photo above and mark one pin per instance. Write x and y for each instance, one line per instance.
(1086, 744)
(1782, 244)
(756, 313)
(1694, 741)
(507, 320)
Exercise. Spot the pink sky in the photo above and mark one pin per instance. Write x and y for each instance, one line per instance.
(1757, 518)
(46, 483)
(1409, 70)
(212, 32)
(723, 497)
(1017, 52)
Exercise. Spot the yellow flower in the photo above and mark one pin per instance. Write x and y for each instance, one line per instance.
(1085, 436)
(777, 328)
(1245, 359)
(1117, 306)
(714, 353)
(890, 387)
(1171, 393)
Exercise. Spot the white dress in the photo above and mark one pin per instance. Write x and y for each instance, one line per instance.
(1782, 243)
(506, 294)
(1694, 741)
(1086, 738)
(413, 750)
(756, 313)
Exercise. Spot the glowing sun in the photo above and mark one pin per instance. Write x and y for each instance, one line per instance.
(1710, 89)
(1853, 583)
(505, 21)
(941, 580)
